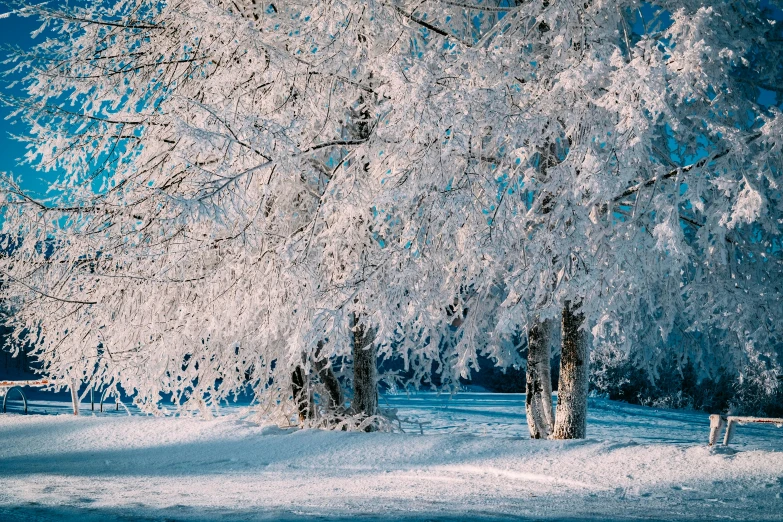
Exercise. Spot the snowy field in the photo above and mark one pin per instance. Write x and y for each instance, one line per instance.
(465, 458)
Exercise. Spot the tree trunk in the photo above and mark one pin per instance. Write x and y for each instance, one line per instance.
(538, 400)
(300, 386)
(571, 415)
(365, 378)
(329, 380)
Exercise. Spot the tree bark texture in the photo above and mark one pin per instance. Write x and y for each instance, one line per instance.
(571, 415)
(329, 380)
(303, 398)
(303, 392)
(365, 373)
(538, 390)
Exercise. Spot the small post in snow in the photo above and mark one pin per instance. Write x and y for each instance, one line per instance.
(729, 431)
(716, 424)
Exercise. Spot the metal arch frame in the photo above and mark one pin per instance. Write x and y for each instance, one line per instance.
(103, 397)
(21, 394)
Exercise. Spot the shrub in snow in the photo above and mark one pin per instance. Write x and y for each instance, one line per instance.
(756, 395)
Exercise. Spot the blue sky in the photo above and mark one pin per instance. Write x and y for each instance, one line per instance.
(16, 31)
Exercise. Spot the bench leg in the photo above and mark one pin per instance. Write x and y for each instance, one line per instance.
(729, 432)
(716, 424)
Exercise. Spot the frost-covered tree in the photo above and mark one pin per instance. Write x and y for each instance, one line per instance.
(656, 151)
(519, 162)
(198, 141)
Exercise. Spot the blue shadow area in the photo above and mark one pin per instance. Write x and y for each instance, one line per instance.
(181, 513)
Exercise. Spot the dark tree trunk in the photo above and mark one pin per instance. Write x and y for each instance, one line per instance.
(300, 386)
(365, 373)
(538, 396)
(571, 418)
(329, 380)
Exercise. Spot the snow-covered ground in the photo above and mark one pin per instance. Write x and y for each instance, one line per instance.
(464, 458)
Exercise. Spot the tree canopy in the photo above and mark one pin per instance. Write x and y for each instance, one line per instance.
(240, 177)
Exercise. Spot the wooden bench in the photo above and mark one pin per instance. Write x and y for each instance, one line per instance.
(718, 421)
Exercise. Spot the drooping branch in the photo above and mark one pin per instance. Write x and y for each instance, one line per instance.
(425, 24)
(44, 294)
(674, 172)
